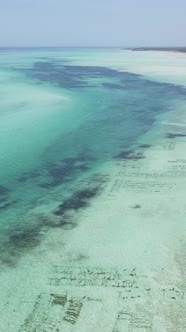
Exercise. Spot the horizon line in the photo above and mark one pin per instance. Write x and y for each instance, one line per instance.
(92, 46)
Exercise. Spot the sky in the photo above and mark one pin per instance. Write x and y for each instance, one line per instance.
(92, 23)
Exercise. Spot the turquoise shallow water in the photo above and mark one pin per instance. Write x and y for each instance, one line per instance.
(59, 123)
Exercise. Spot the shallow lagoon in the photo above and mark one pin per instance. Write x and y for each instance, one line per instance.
(62, 121)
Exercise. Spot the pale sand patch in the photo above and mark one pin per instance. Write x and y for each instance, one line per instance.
(160, 66)
(171, 53)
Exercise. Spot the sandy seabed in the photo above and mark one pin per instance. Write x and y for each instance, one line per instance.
(122, 268)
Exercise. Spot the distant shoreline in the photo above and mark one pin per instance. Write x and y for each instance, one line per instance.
(159, 49)
(155, 49)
